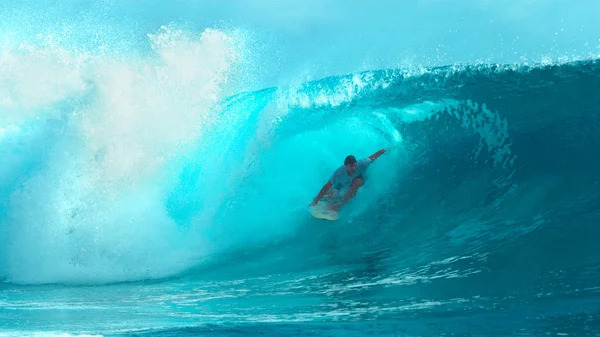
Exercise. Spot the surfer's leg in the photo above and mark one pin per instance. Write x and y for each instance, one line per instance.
(356, 184)
(332, 195)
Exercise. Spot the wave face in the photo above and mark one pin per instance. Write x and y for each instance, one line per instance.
(154, 183)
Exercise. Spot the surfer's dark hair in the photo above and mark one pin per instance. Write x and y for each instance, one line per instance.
(350, 160)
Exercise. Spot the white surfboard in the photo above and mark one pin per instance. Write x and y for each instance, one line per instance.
(322, 211)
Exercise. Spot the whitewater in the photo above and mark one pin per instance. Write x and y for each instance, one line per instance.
(157, 161)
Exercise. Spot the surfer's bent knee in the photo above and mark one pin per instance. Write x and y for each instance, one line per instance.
(358, 182)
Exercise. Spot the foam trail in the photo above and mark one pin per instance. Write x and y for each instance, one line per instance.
(475, 117)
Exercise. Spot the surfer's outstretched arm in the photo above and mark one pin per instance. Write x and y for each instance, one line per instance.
(323, 191)
(377, 154)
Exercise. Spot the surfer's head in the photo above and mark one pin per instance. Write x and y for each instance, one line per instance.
(350, 163)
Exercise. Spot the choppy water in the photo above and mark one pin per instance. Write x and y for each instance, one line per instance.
(155, 191)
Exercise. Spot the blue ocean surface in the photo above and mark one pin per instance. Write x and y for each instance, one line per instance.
(157, 160)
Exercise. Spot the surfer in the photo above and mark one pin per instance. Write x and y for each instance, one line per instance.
(350, 176)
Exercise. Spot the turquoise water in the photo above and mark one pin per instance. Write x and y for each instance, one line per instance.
(158, 161)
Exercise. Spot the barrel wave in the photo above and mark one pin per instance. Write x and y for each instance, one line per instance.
(150, 186)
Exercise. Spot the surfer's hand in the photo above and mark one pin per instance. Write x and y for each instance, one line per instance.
(314, 203)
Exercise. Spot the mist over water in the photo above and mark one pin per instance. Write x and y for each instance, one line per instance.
(158, 159)
(299, 40)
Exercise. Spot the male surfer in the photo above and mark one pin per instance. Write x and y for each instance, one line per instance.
(350, 177)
